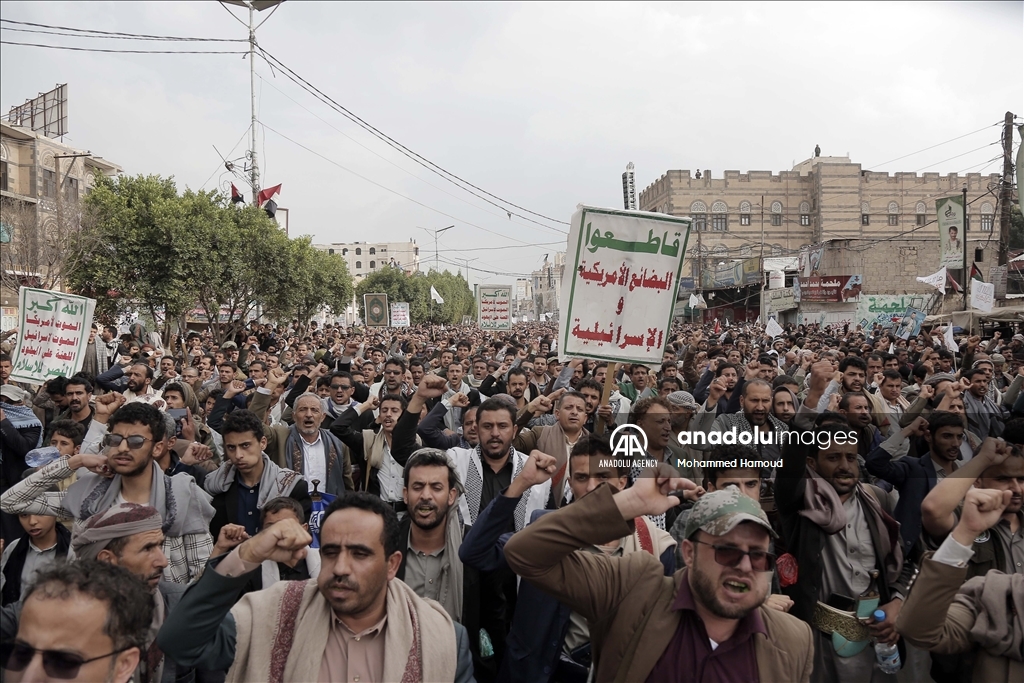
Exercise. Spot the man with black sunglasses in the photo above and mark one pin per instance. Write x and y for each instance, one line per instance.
(81, 621)
(706, 622)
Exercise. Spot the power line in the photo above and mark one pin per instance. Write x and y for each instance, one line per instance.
(447, 175)
(117, 34)
(389, 161)
(388, 189)
(134, 52)
(538, 246)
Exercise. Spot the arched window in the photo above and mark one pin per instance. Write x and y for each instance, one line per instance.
(746, 251)
(719, 217)
(699, 214)
(744, 212)
(359, 251)
(359, 265)
(987, 218)
(776, 213)
(865, 213)
(776, 250)
(372, 252)
(344, 252)
(894, 213)
(373, 264)
(922, 213)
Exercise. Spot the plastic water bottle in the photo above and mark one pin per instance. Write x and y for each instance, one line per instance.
(887, 656)
(41, 456)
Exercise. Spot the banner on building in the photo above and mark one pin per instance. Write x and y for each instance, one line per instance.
(910, 326)
(810, 260)
(950, 211)
(779, 300)
(834, 288)
(620, 284)
(53, 333)
(732, 274)
(494, 308)
(983, 295)
(376, 310)
(400, 314)
(886, 310)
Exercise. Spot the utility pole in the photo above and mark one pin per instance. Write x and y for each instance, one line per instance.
(1006, 190)
(254, 169)
(760, 309)
(967, 268)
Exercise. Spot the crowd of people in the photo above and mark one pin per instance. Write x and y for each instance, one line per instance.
(324, 503)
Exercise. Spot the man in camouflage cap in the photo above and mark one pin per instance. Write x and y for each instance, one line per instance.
(706, 622)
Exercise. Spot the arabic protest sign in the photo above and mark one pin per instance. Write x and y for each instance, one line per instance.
(983, 295)
(936, 279)
(620, 282)
(910, 326)
(773, 328)
(886, 310)
(53, 332)
(494, 308)
(400, 314)
(834, 288)
(950, 211)
(376, 307)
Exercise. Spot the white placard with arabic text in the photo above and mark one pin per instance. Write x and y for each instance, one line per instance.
(53, 333)
(983, 295)
(619, 287)
(494, 308)
(400, 314)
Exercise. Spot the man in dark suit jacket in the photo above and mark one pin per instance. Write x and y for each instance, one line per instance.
(542, 627)
(914, 477)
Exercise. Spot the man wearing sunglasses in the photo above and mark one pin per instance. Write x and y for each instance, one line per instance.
(81, 621)
(133, 438)
(706, 622)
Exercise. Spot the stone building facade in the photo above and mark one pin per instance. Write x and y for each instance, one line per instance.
(879, 225)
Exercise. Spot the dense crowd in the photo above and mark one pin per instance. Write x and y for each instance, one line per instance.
(325, 503)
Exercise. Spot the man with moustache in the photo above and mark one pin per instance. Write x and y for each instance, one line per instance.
(357, 621)
(841, 534)
(755, 418)
(558, 439)
(548, 641)
(431, 536)
(134, 436)
(706, 622)
(139, 382)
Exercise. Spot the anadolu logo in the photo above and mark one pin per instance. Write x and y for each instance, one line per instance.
(629, 441)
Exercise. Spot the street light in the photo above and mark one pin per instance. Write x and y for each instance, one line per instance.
(468, 261)
(436, 233)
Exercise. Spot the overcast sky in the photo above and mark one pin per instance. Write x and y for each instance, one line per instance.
(542, 104)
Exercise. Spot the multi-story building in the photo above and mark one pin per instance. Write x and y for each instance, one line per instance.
(878, 225)
(524, 299)
(364, 258)
(546, 282)
(42, 182)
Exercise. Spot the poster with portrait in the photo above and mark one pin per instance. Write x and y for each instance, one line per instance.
(950, 212)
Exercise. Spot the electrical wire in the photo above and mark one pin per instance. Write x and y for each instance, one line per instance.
(65, 34)
(133, 52)
(389, 161)
(423, 161)
(386, 188)
(118, 34)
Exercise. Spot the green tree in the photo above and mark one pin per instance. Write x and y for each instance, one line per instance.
(453, 288)
(391, 281)
(314, 280)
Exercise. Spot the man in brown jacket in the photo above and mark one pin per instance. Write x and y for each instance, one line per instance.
(982, 619)
(707, 622)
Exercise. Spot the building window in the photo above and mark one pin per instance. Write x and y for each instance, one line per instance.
(805, 219)
(372, 251)
(330, 251)
(383, 250)
(921, 219)
(373, 264)
(865, 219)
(344, 252)
(49, 184)
(986, 222)
(3, 176)
(894, 219)
(359, 251)
(359, 265)
(720, 222)
(71, 189)
(416, 251)
(744, 219)
(776, 219)
(700, 222)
